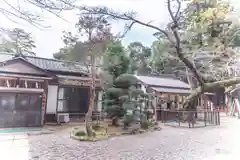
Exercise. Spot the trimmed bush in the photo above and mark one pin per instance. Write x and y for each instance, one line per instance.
(96, 127)
(80, 133)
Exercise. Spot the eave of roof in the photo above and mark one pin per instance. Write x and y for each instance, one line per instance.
(28, 63)
(172, 90)
(163, 82)
(58, 65)
(49, 64)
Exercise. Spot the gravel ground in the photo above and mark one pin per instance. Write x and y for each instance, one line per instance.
(210, 143)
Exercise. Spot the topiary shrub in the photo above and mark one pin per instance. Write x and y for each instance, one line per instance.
(126, 80)
(113, 93)
(80, 133)
(127, 120)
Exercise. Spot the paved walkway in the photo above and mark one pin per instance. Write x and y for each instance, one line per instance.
(211, 143)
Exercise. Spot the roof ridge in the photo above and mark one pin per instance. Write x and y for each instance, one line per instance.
(56, 60)
(49, 59)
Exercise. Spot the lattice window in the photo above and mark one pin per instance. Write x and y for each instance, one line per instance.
(30, 84)
(40, 84)
(4, 83)
(12, 82)
(21, 84)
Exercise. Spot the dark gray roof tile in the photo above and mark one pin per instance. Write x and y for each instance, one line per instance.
(57, 65)
(50, 64)
(163, 82)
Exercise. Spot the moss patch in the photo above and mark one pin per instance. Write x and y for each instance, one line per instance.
(101, 133)
(86, 138)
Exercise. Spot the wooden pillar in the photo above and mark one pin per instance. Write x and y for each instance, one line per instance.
(205, 102)
(201, 102)
(154, 102)
(44, 101)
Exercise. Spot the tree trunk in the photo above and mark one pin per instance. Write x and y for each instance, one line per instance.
(115, 121)
(189, 79)
(88, 117)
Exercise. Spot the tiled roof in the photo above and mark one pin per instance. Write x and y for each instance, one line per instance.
(50, 64)
(57, 65)
(163, 82)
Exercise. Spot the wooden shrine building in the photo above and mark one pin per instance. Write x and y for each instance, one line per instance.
(170, 93)
(35, 90)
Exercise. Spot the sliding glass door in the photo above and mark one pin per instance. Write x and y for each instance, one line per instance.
(63, 99)
(73, 100)
(20, 110)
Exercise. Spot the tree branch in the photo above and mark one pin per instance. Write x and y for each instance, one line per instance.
(18, 11)
(186, 61)
(178, 9)
(210, 87)
(125, 17)
(173, 36)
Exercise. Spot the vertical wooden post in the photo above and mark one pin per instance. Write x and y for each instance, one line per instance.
(218, 118)
(44, 101)
(155, 106)
(179, 119)
(205, 102)
(205, 118)
(211, 119)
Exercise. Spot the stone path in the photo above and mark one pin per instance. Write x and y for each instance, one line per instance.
(211, 143)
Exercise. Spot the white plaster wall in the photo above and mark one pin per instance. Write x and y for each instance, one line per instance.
(99, 105)
(52, 99)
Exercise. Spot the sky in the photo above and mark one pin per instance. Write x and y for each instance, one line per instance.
(48, 40)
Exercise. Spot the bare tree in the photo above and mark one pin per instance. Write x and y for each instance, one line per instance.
(26, 10)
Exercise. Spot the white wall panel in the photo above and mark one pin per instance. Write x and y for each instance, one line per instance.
(52, 99)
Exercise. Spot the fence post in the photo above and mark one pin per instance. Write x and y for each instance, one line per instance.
(164, 115)
(178, 118)
(161, 115)
(211, 117)
(205, 118)
(218, 118)
(194, 119)
(188, 120)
